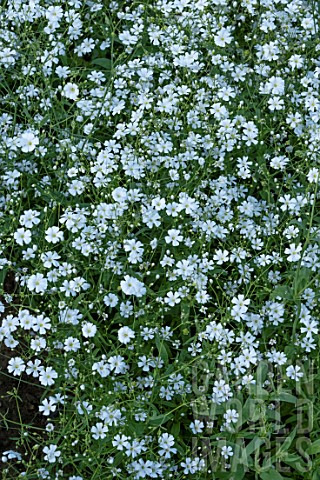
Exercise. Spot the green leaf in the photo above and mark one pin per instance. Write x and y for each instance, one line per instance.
(158, 420)
(271, 474)
(262, 372)
(314, 448)
(282, 291)
(137, 428)
(239, 474)
(185, 311)
(117, 459)
(162, 349)
(180, 448)
(102, 62)
(251, 411)
(175, 429)
(259, 393)
(316, 476)
(286, 444)
(284, 397)
(230, 476)
(293, 459)
(303, 278)
(254, 445)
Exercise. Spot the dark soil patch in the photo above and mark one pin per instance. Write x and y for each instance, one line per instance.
(19, 396)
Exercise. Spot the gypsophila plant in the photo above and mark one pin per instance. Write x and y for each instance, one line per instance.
(159, 213)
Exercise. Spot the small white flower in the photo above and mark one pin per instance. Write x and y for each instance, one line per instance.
(223, 37)
(71, 91)
(125, 334)
(54, 235)
(231, 416)
(293, 252)
(132, 286)
(110, 300)
(226, 452)
(37, 282)
(166, 442)
(313, 175)
(48, 406)
(197, 426)
(88, 329)
(28, 142)
(22, 236)
(153, 243)
(51, 453)
(34, 368)
(99, 431)
(221, 256)
(29, 218)
(294, 372)
(47, 376)
(16, 366)
(173, 237)
(172, 298)
(10, 455)
(71, 344)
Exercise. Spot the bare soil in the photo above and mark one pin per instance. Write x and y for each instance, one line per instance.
(19, 396)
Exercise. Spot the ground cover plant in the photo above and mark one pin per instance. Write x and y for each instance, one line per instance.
(160, 239)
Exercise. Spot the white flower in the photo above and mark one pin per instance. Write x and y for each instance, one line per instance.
(70, 90)
(16, 366)
(88, 329)
(135, 248)
(189, 466)
(99, 431)
(311, 326)
(132, 286)
(125, 334)
(38, 283)
(231, 416)
(293, 252)
(119, 442)
(153, 243)
(239, 308)
(22, 236)
(50, 259)
(10, 455)
(221, 256)
(117, 364)
(166, 442)
(54, 14)
(172, 298)
(313, 175)
(38, 344)
(54, 235)
(34, 368)
(51, 453)
(279, 162)
(173, 237)
(110, 300)
(48, 406)
(296, 61)
(71, 344)
(197, 426)
(29, 218)
(47, 376)
(41, 324)
(294, 372)
(223, 37)
(28, 142)
(226, 452)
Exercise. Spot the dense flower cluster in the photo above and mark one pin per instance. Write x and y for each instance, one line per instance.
(159, 172)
